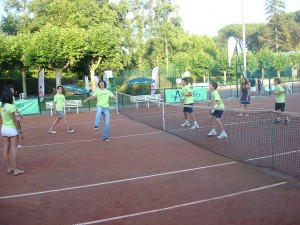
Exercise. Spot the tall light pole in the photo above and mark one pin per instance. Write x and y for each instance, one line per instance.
(244, 40)
(167, 53)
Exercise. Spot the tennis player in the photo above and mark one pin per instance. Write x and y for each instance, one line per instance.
(279, 100)
(59, 101)
(245, 96)
(188, 105)
(102, 96)
(216, 112)
(10, 130)
(20, 116)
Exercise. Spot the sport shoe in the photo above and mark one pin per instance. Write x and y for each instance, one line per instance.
(277, 120)
(19, 146)
(51, 132)
(95, 128)
(70, 131)
(287, 121)
(212, 133)
(106, 139)
(222, 135)
(195, 126)
(186, 124)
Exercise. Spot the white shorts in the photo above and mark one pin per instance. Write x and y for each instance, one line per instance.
(9, 132)
(252, 89)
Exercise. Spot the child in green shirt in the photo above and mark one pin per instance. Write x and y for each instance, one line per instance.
(10, 130)
(59, 101)
(279, 100)
(216, 112)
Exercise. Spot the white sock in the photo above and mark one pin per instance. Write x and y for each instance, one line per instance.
(187, 121)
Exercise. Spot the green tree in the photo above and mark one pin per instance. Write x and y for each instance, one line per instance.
(280, 62)
(264, 59)
(202, 63)
(103, 45)
(294, 59)
(5, 51)
(55, 49)
(19, 45)
(17, 19)
(277, 34)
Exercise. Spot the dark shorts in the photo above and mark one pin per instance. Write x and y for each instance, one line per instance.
(188, 109)
(280, 106)
(60, 114)
(216, 113)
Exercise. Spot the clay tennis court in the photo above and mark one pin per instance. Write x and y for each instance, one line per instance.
(142, 176)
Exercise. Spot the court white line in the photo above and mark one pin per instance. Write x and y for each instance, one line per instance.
(181, 205)
(88, 140)
(29, 126)
(270, 156)
(115, 181)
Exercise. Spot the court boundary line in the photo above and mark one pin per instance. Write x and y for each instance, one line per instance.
(117, 181)
(270, 156)
(59, 125)
(87, 140)
(182, 205)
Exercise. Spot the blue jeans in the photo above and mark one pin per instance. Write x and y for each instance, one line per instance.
(105, 112)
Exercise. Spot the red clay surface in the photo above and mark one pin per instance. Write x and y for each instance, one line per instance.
(142, 176)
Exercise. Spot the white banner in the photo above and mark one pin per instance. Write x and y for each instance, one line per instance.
(231, 47)
(154, 77)
(86, 83)
(41, 85)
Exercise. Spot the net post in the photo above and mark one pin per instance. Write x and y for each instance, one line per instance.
(163, 115)
(117, 105)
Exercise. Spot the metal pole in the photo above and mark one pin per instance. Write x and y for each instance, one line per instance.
(236, 72)
(167, 57)
(244, 41)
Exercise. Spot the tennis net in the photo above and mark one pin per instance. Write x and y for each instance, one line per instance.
(254, 139)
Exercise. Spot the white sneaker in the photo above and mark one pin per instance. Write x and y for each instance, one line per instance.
(51, 132)
(95, 128)
(19, 146)
(222, 135)
(186, 124)
(277, 120)
(212, 133)
(195, 126)
(287, 121)
(70, 131)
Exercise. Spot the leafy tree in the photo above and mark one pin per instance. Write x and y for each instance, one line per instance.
(55, 49)
(279, 63)
(252, 62)
(182, 61)
(5, 51)
(17, 18)
(277, 33)
(19, 44)
(221, 63)
(294, 28)
(103, 45)
(264, 59)
(294, 59)
(202, 63)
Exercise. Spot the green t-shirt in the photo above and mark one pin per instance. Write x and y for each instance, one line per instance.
(280, 98)
(187, 99)
(6, 115)
(103, 97)
(216, 97)
(59, 100)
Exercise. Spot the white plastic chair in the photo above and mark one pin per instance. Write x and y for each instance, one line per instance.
(22, 96)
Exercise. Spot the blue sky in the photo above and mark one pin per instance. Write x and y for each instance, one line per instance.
(208, 16)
